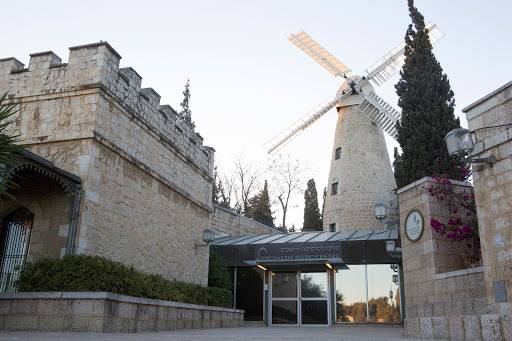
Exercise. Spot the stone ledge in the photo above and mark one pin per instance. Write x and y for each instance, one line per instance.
(429, 179)
(107, 312)
(109, 296)
(459, 273)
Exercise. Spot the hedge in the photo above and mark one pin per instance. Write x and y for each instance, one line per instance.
(93, 273)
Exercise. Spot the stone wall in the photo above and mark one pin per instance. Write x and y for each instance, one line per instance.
(493, 190)
(147, 178)
(436, 290)
(228, 223)
(488, 327)
(46, 199)
(107, 312)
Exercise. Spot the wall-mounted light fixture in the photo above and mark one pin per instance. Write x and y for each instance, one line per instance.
(208, 237)
(395, 279)
(328, 265)
(392, 250)
(460, 144)
(379, 210)
(262, 267)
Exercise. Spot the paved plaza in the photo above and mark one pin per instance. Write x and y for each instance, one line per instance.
(224, 334)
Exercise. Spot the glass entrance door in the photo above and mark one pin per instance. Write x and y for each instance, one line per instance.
(314, 298)
(299, 298)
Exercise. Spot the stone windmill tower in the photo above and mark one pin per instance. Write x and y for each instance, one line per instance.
(360, 173)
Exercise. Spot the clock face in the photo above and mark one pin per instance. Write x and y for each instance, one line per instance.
(414, 225)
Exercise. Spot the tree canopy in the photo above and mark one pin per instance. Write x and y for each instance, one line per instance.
(312, 217)
(9, 149)
(260, 207)
(427, 104)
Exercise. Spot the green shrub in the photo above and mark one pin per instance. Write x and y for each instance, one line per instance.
(92, 273)
(218, 273)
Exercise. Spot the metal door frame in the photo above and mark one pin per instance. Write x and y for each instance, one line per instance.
(298, 299)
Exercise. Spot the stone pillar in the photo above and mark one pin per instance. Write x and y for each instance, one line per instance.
(493, 193)
(429, 255)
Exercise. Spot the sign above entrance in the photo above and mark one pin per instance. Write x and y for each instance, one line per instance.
(304, 252)
(414, 225)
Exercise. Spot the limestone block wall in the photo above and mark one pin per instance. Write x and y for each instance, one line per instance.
(362, 173)
(493, 189)
(147, 178)
(46, 199)
(108, 313)
(434, 285)
(462, 327)
(90, 96)
(228, 223)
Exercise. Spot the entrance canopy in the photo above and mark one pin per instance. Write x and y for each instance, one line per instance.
(307, 249)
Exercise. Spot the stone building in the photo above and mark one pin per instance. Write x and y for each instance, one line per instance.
(490, 118)
(442, 299)
(360, 173)
(134, 175)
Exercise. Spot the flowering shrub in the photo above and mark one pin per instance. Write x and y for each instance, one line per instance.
(463, 226)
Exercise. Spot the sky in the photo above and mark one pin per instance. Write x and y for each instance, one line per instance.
(248, 82)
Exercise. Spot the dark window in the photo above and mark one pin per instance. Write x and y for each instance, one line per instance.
(332, 227)
(249, 292)
(334, 188)
(337, 154)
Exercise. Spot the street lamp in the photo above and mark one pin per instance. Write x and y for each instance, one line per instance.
(208, 237)
(379, 210)
(460, 144)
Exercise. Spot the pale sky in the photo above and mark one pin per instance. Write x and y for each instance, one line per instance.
(248, 82)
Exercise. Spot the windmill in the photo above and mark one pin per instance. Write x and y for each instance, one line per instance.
(360, 172)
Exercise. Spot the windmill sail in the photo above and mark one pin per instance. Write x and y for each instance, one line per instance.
(392, 62)
(287, 135)
(304, 42)
(380, 112)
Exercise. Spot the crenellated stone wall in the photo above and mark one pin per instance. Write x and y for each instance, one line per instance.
(147, 177)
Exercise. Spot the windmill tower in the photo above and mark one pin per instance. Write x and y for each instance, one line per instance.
(360, 172)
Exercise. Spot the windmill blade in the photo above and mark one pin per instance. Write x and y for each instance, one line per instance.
(380, 112)
(287, 135)
(304, 42)
(392, 62)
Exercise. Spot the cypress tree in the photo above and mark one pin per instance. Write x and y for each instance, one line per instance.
(312, 217)
(260, 207)
(185, 112)
(427, 104)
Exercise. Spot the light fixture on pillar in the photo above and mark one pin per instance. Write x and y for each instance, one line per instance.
(208, 237)
(392, 250)
(379, 210)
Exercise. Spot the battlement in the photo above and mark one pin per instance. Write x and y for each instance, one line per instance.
(96, 67)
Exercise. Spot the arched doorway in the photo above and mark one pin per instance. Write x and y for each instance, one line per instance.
(15, 232)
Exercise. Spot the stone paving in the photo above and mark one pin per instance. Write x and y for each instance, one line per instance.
(225, 334)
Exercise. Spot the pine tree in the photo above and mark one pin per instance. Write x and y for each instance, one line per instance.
(312, 218)
(185, 112)
(260, 207)
(427, 104)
